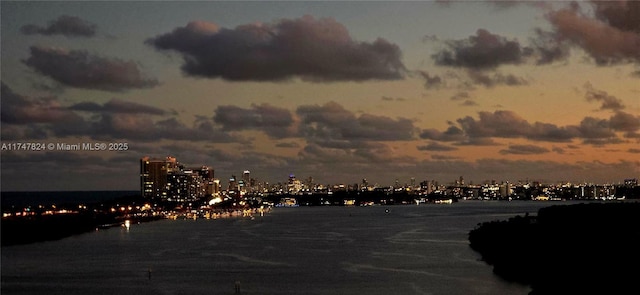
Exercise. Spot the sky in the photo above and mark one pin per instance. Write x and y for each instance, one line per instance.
(339, 91)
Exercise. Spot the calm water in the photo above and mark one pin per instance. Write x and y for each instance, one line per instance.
(307, 250)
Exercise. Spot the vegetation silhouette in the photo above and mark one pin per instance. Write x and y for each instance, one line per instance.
(589, 248)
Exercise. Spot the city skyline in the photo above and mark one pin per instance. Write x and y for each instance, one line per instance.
(338, 91)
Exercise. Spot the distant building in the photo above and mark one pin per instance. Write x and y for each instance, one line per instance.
(167, 180)
(294, 185)
(246, 181)
(154, 175)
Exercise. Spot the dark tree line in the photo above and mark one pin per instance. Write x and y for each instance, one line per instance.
(571, 249)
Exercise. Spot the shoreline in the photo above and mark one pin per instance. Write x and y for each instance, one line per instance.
(565, 249)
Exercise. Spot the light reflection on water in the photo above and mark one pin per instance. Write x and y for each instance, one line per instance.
(306, 250)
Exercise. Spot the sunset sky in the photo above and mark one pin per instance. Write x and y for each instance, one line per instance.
(339, 91)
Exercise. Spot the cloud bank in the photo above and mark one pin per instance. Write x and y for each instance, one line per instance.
(80, 69)
(318, 50)
(66, 25)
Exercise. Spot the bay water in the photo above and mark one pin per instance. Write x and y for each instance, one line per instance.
(405, 249)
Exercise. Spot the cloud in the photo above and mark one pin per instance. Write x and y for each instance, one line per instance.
(626, 122)
(612, 37)
(507, 124)
(498, 124)
(69, 26)
(463, 95)
(548, 47)
(29, 118)
(623, 15)
(488, 81)
(558, 150)
(118, 106)
(594, 128)
(443, 158)
(483, 51)
(318, 50)
(388, 98)
(609, 102)
(431, 81)
(469, 103)
(78, 68)
(434, 146)
(453, 133)
(331, 123)
(18, 109)
(275, 122)
(551, 132)
(518, 149)
(480, 55)
(478, 141)
(145, 128)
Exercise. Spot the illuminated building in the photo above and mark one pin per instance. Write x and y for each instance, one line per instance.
(165, 179)
(294, 186)
(153, 176)
(246, 181)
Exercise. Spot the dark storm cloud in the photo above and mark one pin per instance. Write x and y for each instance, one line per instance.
(70, 26)
(318, 50)
(117, 106)
(275, 122)
(482, 51)
(78, 68)
(609, 102)
(610, 38)
(517, 149)
(331, 121)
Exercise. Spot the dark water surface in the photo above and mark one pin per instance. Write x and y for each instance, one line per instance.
(306, 250)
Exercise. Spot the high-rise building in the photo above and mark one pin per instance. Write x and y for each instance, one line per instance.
(167, 180)
(154, 175)
(246, 181)
(294, 185)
